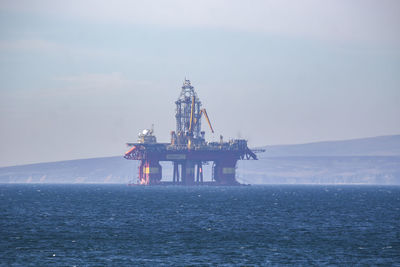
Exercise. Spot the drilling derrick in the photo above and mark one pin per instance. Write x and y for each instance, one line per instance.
(187, 111)
(188, 149)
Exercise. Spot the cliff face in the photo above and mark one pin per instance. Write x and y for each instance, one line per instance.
(360, 161)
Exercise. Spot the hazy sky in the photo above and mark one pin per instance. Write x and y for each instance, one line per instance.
(80, 79)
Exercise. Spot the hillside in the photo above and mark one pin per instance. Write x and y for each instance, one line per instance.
(94, 170)
(374, 146)
(360, 161)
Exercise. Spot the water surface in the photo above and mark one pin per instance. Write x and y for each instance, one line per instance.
(81, 225)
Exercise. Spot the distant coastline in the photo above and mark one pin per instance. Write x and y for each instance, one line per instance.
(373, 160)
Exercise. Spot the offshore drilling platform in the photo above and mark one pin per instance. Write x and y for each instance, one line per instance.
(188, 150)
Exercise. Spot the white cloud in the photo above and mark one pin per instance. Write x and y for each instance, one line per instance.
(342, 20)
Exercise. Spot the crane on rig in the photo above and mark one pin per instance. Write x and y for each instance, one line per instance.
(193, 121)
(203, 111)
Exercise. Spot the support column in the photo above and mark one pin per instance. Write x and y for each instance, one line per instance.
(224, 172)
(188, 172)
(150, 172)
(176, 172)
(183, 173)
(199, 172)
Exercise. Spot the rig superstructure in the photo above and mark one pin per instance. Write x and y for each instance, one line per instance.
(188, 149)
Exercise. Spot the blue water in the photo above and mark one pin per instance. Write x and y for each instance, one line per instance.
(87, 225)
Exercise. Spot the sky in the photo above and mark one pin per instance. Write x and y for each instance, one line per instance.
(79, 79)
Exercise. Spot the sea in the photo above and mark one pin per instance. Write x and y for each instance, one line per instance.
(274, 225)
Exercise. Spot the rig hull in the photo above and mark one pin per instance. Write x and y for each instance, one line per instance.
(188, 164)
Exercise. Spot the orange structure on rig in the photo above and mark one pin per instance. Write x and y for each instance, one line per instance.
(188, 149)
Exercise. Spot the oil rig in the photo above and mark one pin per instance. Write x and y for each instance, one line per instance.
(188, 150)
